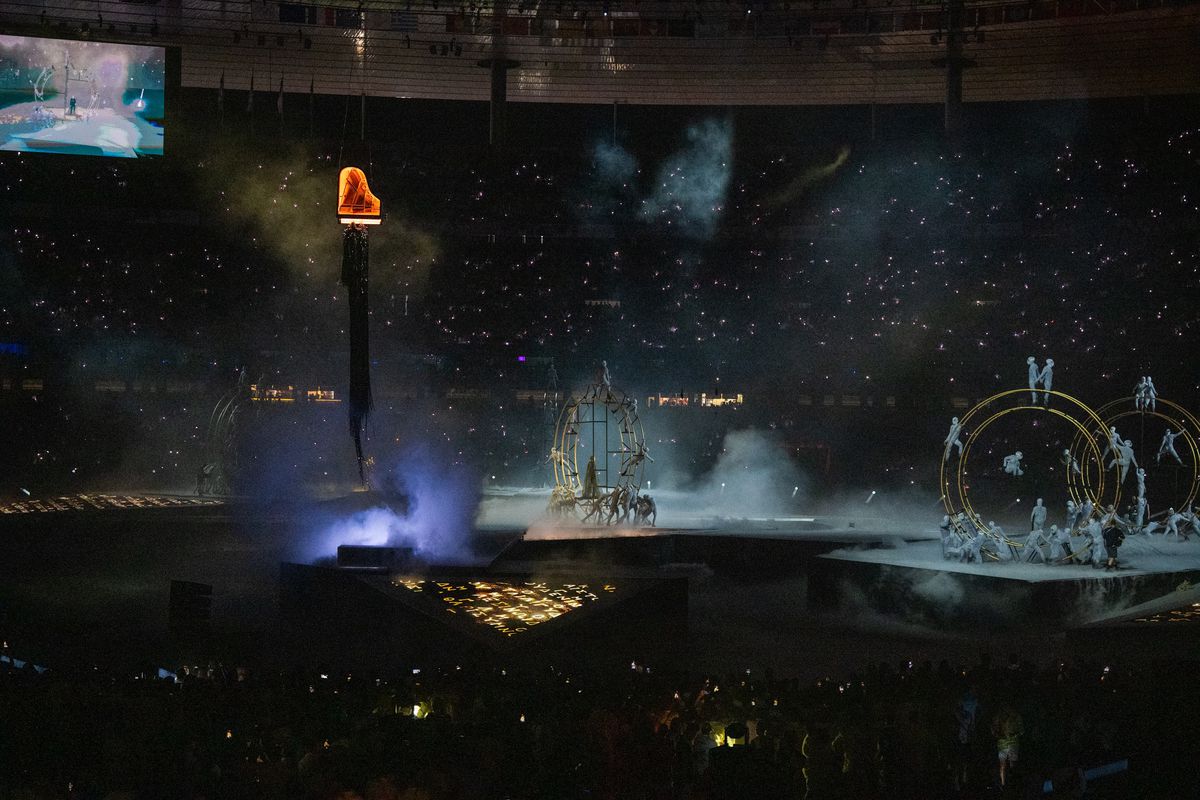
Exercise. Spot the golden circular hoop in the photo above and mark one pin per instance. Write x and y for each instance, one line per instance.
(1186, 418)
(1077, 489)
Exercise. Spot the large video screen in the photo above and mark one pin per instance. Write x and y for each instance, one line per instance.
(81, 98)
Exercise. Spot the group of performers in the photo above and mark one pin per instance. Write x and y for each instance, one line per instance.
(1043, 376)
(615, 507)
(588, 499)
(1089, 534)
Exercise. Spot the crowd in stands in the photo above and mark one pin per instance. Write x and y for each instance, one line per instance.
(882, 265)
(912, 731)
(884, 269)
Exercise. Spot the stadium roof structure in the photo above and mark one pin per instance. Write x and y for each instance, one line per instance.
(687, 52)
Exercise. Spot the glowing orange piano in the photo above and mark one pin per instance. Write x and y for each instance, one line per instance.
(356, 204)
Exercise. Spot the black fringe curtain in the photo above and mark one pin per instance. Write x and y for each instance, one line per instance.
(355, 259)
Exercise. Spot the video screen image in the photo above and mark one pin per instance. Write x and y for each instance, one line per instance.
(81, 98)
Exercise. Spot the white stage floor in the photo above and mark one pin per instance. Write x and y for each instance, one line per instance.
(1139, 555)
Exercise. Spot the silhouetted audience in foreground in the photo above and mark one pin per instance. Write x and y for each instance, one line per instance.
(484, 732)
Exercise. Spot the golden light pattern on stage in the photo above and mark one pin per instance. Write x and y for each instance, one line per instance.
(507, 607)
(104, 502)
(1186, 614)
(356, 204)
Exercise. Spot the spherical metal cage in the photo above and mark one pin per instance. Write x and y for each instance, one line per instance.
(599, 456)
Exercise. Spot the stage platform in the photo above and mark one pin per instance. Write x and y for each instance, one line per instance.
(889, 571)
(760, 547)
(1139, 555)
(914, 576)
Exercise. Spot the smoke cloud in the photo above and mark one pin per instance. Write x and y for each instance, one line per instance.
(288, 204)
(752, 476)
(443, 498)
(800, 185)
(690, 189)
(614, 164)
